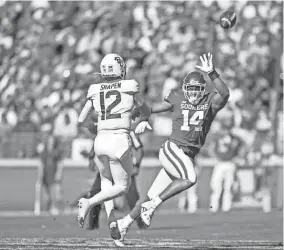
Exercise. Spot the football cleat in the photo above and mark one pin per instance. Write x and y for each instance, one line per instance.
(118, 243)
(147, 211)
(122, 230)
(141, 225)
(83, 210)
(114, 231)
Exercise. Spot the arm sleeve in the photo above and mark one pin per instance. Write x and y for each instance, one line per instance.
(221, 98)
(85, 111)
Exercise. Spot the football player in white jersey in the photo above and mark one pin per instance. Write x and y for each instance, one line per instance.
(114, 100)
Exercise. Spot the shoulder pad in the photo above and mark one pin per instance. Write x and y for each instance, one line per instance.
(130, 86)
(93, 89)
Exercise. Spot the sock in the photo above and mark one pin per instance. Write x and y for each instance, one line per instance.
(127, 220)
(157, 201)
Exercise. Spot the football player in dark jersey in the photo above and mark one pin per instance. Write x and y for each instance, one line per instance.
(193, 110)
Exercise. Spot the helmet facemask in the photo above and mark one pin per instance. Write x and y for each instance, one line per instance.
(194, 91)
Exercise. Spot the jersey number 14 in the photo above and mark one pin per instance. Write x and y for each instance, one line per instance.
(194, 120)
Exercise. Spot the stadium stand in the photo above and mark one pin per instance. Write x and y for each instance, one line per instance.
(50, 50)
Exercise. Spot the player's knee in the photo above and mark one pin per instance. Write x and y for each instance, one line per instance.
(122, 189)
(126, 188)
(189, 182)
(192, 178)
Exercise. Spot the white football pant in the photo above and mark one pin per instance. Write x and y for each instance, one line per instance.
(176, 163)
(113, 158)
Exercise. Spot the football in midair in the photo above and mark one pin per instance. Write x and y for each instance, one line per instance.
(228, 19)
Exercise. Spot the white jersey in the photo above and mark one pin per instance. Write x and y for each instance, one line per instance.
(113, 101)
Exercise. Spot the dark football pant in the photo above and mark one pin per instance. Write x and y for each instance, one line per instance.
(132, 197)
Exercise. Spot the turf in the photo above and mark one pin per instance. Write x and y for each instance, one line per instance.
(247, 229)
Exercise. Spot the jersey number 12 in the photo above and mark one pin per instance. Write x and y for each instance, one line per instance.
(194, 120)
(106, 111)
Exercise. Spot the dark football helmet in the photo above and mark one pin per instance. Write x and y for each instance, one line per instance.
(194, 87)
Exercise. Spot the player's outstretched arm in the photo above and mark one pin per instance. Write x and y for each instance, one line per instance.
(158, 108)
(161, 107)
(222, 97)
(219, 101)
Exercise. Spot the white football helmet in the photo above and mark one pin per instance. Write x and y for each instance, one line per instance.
(113, 67)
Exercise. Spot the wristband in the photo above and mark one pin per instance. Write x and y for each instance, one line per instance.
(144, 119)
(213, 75)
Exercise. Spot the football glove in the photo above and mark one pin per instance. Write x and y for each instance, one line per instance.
(207, 63)
(142, 126)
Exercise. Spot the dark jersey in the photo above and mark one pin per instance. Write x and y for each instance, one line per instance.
(227, 147)
(191, 123)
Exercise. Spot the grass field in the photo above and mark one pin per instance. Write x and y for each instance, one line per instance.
(248, 229)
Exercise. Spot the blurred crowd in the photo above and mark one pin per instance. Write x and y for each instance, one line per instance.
(50, 50)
